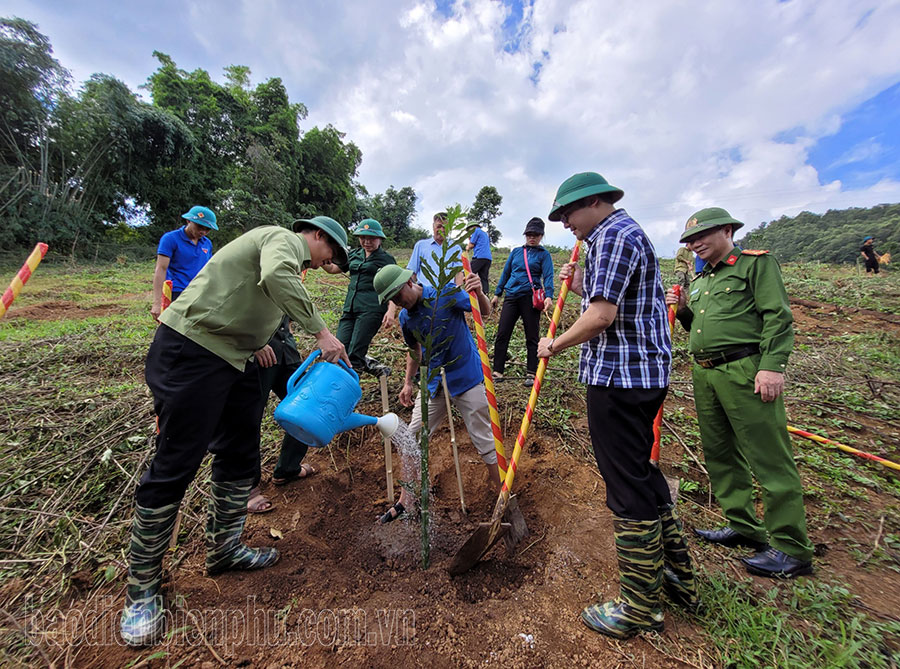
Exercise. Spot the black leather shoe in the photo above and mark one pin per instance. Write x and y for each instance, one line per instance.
(776, 564)
(726, 536)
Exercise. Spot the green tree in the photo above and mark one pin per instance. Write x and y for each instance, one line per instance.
(328, 167)
(395, 210)
(485, 210)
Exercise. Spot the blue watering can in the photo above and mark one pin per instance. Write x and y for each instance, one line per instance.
(320, 401)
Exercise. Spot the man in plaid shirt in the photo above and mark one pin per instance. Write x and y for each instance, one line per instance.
(625, 360)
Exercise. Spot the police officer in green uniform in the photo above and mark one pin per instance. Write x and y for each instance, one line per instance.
(363, 314)
(741, 334)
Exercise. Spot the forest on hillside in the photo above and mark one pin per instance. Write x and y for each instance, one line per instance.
(78, 168)
(832, 237)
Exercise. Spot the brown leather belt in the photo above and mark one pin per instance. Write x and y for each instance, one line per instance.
(720, 358)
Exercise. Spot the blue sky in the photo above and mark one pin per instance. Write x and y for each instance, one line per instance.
(765, 108)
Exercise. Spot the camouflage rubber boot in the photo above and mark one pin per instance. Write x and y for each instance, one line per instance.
(143, 618)
(224, 526)
(637, 608)
(678, 575)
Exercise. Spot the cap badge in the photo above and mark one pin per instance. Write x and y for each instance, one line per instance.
(691, 224)
(199, 214)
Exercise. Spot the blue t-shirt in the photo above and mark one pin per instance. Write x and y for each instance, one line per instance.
(424, 253)
(698, 264)
(454, 348)
(482, 242)
(185, 257)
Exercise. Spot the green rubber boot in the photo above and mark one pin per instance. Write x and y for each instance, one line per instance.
(678, 574)
(637, 608)
(224, 526)
(144, 616)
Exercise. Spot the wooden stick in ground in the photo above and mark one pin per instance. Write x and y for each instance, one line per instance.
(388, 458)
(462, 498)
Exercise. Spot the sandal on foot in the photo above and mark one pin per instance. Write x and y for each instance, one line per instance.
(391, 514)
(498, 377)
(528, 382)
(258, 503)
(306, 470)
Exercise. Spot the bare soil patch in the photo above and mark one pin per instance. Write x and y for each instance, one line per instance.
(63, 310)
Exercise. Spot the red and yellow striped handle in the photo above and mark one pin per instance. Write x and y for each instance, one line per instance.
(488, 376)
(536, 388)
(166, 295)
(15, 286)
(844, 447)
(657, 422)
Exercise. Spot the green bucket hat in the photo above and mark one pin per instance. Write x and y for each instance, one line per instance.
(369, 227)
(705, 219)
(388, 281)
(332, 228)
(581, 185)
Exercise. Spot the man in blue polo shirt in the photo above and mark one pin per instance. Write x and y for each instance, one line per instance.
(427, 252)
(480, 246)
(625, 359)
(444, 318)
(181, 254)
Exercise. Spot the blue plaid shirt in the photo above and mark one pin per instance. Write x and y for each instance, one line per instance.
(635, 351)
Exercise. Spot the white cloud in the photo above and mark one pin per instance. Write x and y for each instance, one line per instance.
(677, 103)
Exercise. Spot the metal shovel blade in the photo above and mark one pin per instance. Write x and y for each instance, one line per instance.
(476, 546)
(518, 528)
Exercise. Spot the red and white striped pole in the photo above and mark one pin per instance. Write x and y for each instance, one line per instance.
(15, 286)
(488, 376)
(538, 380)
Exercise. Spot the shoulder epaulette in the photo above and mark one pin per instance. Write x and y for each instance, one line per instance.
(752, 252)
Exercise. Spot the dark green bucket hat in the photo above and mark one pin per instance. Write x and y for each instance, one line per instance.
(389, 280)
(369, 227)
(705, 219)
(332, 228)
(581, 185)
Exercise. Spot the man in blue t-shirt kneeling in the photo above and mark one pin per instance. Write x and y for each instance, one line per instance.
(181, 254)
(424, 312)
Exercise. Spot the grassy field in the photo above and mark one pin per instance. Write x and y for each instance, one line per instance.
(76, 429)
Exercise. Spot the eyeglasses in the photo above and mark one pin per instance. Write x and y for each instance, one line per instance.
(567, 211)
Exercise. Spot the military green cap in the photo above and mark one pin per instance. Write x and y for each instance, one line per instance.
(581, 185)
(332, 228)
(389, 280)
(705, 219)
(369, 227)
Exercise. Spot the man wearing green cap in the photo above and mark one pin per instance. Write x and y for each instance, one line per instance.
(205, 383)
(741, 334)
(625, 359)
(424, 313)
(181, 254)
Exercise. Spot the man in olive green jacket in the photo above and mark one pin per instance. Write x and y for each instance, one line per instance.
(206, 393)
(741, 334)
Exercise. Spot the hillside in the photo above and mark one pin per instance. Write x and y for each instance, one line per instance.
(833, 237)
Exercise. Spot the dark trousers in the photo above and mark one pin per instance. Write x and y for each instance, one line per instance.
(513, 309)
(620, 421)
(355, 331)
(482, 267)
(290, 459)
(871, 266)
(203, 404)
